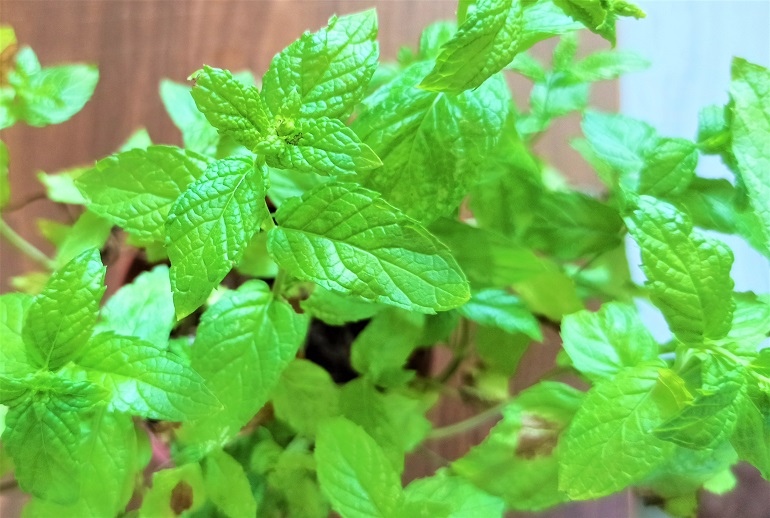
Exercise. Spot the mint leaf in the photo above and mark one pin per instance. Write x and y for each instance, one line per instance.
(596, 457)
(486, 41)
(604, 66)
(433, 37)
(236, 110)
(346, 239)
(143, 309)
(751, 438)
(227, 486)
(432, 145)
(380, 353)
(197, 134)
(60, 187)
(604, 343)
(210, 226)
(463, 498)
(136, 189)
(173, 492)
(145, 379)
(599, 16)
(354, 473)
(688, 273)
(43, 436)
(60, 320)
(713, 130)
(326, 73)
(51, 95)
(498, 308)
(13, 312)
(107, 484)
(244, 343)
(669, 168)
(305, 396)
(751, 322)
(335, 309)
(751, 129)
(323, 146)
(89, 231)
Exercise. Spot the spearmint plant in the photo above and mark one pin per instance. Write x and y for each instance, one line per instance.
(322, 224)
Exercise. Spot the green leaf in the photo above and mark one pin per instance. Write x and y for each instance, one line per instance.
(751, 438)
(335, 309)
(604, 66)
(354, 473)
(89, 231)
(543, 20)
(519, 459)
(227, 486)
(305, 396)
(556, 96)
(498, 308)
(750, 126)
(323, 146)
(210, 226)
(751, 322)
(599, 16)
(60, 320)
(433, 146)
(713, 130)
(463, 498)
(669, 168)
(688, 273)
(610, 444)
(395, 420)
(501, 351)
(197, 134)
(174, 491)
(44, 436)
(5, 186)
(346, 239)
(486, 41)
(381, 353)
(13, 313)
(256, 261)
(433, 38)
(52, 95)
(326, 73)
(234, 109)
(136, 189)
(145, 379)
(244, 343)
(110, 452)
(604, 343)
(570, 225)
(60, 187)
(143, 309)
(487, 258)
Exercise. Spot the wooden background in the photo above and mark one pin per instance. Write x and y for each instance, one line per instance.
(136, 43)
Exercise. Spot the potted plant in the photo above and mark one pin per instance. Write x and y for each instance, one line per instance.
(324, 226)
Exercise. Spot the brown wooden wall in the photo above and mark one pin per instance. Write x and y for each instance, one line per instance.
(136, 43)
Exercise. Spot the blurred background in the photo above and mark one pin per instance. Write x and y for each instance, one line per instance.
(136, 43)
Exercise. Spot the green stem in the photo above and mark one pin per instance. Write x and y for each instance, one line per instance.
(468, 424)
(279, 282)
(24, 246)
(460, 350)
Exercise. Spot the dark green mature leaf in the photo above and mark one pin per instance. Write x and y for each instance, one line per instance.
(13, 313)
(145, 379)
(44, 437)
(498, 308)
(687, 272)
(354, 473)
(143, 309)
(602, 344)
(750, 126)
(323, 146)
(60, 320)
(519, 460)
(210, 226)
(486, 41)
(381, 353)
(244, 343)
(305, 396)
(570, 225)
(234, 109)
(227, 485)
(433, 146)
(197, 134)
(346, 239)
(50, 95)
(136, 189)
(609, 444)
(326, 73)
(107, 483)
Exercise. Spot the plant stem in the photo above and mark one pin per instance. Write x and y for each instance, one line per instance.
(278, 282)
(468, 424)
(24, 246)
(459, 349)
